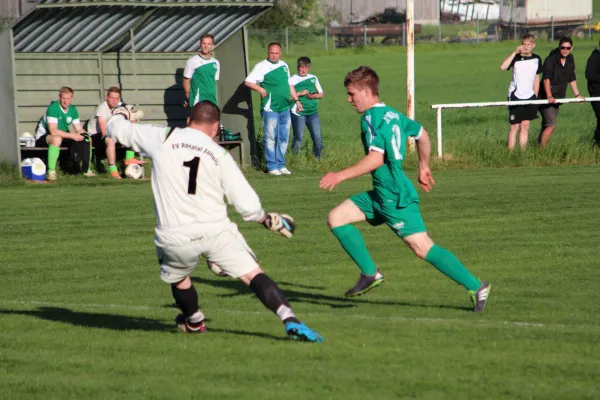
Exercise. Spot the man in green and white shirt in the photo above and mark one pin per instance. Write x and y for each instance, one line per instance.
(271, 78)
(52, 131)
(309, 90)
(393, 200)
(201, 74)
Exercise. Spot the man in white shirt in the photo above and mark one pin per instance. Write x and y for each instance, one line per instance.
(191, 176)
(271, 79)
(97, 129)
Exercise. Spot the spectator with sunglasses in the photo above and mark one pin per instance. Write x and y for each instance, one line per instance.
(558, 72)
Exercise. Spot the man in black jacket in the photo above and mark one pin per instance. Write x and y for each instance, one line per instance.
(558, 71)
(592, 74)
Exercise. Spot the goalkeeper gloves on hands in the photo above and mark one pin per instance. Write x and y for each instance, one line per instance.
(129, 112)
(282, 223)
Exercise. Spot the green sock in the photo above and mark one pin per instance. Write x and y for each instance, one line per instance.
(352, 241)
(112, 168)
(129, 154)
(449, 265)
(53, 153)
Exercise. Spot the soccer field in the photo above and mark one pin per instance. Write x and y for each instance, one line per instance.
(83, 313)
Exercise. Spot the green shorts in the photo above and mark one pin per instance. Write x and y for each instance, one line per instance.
(404, 221)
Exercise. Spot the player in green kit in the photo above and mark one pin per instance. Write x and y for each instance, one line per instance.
(52, 131)
(201, 74)
(393, 199)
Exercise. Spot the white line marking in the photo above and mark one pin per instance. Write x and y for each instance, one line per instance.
(471, 322)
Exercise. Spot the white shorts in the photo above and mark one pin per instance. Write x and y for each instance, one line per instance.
(228, 250)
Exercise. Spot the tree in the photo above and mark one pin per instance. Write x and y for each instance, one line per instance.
(286, 13)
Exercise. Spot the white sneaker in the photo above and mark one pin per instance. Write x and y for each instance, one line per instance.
(89, 173)
(275, 172)
(51, 176)
(284, 171)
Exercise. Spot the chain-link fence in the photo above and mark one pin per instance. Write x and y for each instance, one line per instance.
(296, 40)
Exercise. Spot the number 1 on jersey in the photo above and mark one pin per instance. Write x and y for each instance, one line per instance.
(193, 165)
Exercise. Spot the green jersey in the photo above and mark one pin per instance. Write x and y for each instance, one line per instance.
(386, 130)
(310, 83)
(56, 115)
(275, 79)
(203, 74)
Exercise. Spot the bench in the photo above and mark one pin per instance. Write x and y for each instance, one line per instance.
(229, 145)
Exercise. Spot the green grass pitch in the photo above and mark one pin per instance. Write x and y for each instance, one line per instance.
(84, 315)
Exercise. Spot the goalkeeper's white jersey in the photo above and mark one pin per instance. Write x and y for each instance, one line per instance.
(191, 177)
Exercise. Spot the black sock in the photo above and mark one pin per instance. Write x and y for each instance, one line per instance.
(272, 297)
(186, 300)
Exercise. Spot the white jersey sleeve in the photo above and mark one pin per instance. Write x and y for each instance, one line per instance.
(238, 191)
(192, 176)
(218, 73)
(318, 85)
(141, 138)
(257, 75)
(190, 66)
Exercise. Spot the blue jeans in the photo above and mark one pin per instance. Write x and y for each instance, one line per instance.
(314, 127)
(276, 126)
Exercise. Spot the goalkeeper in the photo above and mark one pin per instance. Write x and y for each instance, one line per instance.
(393, 200)
(191, 175)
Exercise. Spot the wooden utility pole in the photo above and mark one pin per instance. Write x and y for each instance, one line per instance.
(410, 65)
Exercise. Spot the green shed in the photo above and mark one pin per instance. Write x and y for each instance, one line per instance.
(138, 45)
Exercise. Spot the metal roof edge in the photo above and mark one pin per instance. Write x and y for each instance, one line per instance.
(21, 18)
(152, 4)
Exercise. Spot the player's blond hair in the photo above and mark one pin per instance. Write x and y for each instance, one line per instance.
(363, 77)
(65, 90)
(528, 36)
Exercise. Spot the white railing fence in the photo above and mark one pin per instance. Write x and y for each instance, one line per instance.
(440, 107)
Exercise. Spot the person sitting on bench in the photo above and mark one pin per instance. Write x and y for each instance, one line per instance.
(53, 131)
(97, 128)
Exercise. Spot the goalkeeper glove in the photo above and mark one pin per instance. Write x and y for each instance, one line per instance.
(282, 223)
(128, 112)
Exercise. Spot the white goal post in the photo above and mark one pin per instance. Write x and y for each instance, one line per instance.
(440, 107)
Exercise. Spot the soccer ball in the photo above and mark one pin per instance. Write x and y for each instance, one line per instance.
(133, 171)
(215, 269)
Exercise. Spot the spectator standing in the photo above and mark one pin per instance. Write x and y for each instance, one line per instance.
(592, 74)
(525, 85)
(271, 79)
(558, 73)
(309, 91)
(201, 74)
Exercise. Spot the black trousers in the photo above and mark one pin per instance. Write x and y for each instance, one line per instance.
(80, 153)
(596, 108)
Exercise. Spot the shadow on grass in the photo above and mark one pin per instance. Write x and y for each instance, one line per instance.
(119, 322)
(298, 296)
(93, 320)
